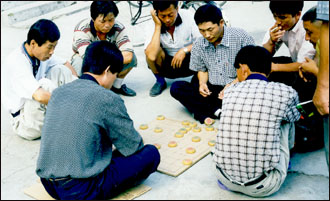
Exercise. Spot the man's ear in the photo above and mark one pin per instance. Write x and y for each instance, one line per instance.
(298, 15)
(245, 70)
(222, 22)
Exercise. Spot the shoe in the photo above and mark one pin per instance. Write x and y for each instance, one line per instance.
(124, 90)
(157, 89)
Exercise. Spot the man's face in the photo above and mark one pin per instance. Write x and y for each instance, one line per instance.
(286, 21)
(210, 31)
(168, 16)
(312, 31)
(104, 24)
(43, 52)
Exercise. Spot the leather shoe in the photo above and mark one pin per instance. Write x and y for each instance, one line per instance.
(157, 89)
(124, 90)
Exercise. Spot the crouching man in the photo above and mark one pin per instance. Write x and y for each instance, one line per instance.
(84, 119)
(256, 128)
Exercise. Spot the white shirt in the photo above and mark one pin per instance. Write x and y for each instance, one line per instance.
(294, 39)
(17, 81)
(184, 34)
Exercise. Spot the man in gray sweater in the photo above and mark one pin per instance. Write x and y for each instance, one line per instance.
(84, 119)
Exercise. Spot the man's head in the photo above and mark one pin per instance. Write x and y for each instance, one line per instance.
(104, 60)
(103, 14)
(252, 59)
(286, 13)
(42, 38)
(167, 12)
(210, 22)
(312, 26)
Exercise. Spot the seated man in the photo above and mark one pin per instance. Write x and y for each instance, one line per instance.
(168, 43)
(83, 121)
(29, 75)
(104, 26)
(212, 57)
(256, 128)
(288, 29)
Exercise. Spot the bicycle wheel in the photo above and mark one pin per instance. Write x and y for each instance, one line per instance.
(136, 3)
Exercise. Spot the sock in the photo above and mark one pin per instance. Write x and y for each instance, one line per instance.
(217, 113)
(117, 83)
(160, 79)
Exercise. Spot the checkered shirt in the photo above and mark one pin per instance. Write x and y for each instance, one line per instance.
(219, 61)
(248, 142)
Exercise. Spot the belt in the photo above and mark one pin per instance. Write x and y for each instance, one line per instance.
(59, 179)
(249, 183)
(16, 113)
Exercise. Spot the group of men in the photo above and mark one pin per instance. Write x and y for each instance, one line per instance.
(252, 93)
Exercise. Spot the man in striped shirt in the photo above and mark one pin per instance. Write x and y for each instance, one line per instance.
(103, 26)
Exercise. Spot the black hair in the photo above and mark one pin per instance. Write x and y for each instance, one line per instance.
(103, 8)
(163, 5)
(310, 15)
(208, 13)
(101, 54)
(43, 30)
(256, 57)
(286, 7)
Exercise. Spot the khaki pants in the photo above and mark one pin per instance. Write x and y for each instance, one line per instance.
(29, 122)
(275, 177)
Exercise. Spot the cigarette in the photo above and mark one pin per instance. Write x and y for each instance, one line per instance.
(275, 29)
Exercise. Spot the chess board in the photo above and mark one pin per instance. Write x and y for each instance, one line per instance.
(172, 157)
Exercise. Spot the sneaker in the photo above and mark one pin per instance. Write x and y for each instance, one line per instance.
(124, 90)
(157, 89)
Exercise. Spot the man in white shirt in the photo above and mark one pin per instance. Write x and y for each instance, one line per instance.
(288, 29)
(29, 75)
(168, 43)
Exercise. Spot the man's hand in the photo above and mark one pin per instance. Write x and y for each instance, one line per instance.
(204, 90)
(178, 59)
(276, 33)
(308, 67)
(155, 18)
(321, 100)
(220, 96)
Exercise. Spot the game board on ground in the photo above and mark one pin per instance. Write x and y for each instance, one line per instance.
(180, 143)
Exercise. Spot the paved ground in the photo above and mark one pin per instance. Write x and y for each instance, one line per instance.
(308, 179)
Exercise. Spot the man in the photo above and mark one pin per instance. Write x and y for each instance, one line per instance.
(256, 128)
(84, 119)
(104, 26)
(168, 43)
(212, 57)
(29, 75)
(321, 95)
(288, 29)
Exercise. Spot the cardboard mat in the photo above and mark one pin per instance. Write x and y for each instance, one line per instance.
(172, 157)
(37, 191)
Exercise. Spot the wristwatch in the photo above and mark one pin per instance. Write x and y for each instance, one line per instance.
(186, 50)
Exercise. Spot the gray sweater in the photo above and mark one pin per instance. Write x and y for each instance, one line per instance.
(83, 120)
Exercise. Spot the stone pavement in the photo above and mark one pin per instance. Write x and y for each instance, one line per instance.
(308, 179)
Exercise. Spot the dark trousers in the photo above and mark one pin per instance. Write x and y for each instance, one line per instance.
(121, 174)
(188, 95)
(304, 89)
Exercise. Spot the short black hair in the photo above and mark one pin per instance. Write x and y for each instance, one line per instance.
(286, 7)
(208, 13)
(256, 57)
(101, 54)
(103, 8)
(43, 30)
(163, 5)
(310, 15)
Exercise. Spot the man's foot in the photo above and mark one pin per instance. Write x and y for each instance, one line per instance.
(124, 90)
(157, 89)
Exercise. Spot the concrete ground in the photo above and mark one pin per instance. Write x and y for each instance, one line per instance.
(308, 179)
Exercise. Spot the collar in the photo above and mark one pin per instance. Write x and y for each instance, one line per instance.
(93, 30)
(34, 61)
(257, 76)
(224, 40)
(86, 76)
(177, 22)
(296, 27)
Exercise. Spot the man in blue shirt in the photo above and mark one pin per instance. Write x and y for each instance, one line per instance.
(84, 120)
